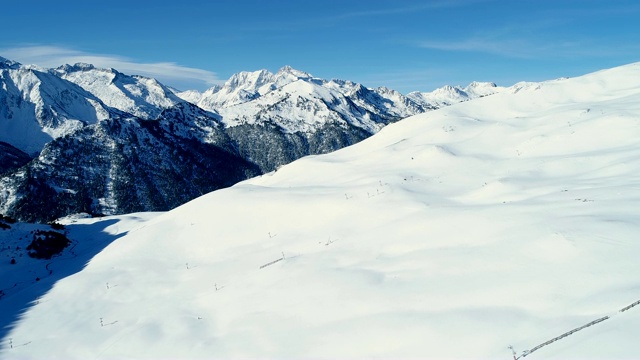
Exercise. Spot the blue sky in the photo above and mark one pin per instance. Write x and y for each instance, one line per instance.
(402, 44)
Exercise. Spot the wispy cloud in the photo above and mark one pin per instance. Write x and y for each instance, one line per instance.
(550, 36)
(431, 5)
(168, 73)
(546, 37)
(603, 9)
(337, 15)
(530, 48)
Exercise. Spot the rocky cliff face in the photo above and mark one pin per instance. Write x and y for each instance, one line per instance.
(124, 165)
(11, 158)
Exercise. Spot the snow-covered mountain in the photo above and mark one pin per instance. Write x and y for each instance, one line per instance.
(253, 124)
(295, 101)
(448, 95)
(122, 165)
(140, 96)
(496, 228)
(39, 105)
(9, 64)
(36, 106)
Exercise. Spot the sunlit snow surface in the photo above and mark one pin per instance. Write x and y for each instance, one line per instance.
(506, 220)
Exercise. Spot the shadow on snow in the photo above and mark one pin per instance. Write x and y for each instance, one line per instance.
(24, 288)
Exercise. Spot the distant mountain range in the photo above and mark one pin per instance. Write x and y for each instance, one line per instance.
(83, 139)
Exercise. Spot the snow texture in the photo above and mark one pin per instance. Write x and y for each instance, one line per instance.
(36, 107)
(140, 96)
(462, 233)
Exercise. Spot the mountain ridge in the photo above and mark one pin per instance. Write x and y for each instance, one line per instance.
(140, 96)
(38, 107)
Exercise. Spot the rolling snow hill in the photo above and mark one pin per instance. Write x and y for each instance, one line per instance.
(491, 229)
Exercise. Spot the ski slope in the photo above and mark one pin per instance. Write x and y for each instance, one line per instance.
(505, 221)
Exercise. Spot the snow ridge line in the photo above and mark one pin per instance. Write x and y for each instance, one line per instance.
(528, 352)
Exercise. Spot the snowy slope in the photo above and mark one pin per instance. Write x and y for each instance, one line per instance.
(506, 220)
(137, 95)
(448, 95)
(246, 86)
(300, 106)
(36, 107)
(295, 101)
(192, 96)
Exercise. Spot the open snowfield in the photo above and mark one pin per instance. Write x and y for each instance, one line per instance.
(507, 220)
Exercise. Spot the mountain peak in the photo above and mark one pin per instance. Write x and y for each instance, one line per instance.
(76, 67)
(288, 70)
(448, 94)
(475, 84)
(386, 90)
(450, 90)
(8, 64)
(479, 89)
(137, 95)
(81, 67)
(246, 86)
(254, 78)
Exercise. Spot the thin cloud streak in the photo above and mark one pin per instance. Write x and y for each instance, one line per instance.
(409, 9)
(328, 21)
(534, 40)
(527, 49)
(168, 73)
(508, 48)
(608, 8)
